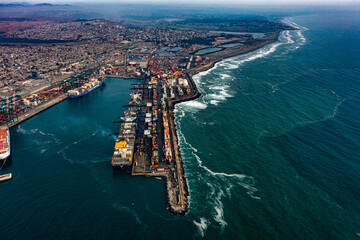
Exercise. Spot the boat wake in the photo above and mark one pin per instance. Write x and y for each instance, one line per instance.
(44, 140)
(64, 152)
(127, 210)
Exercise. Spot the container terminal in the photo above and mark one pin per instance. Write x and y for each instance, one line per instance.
(16, 108)
(147, 141)
(40, 76)
(20, 106)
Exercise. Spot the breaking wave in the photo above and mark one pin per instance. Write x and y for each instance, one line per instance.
(288, 38)
(217, 88)
(194, 105)
(301, 36)
(215, 181)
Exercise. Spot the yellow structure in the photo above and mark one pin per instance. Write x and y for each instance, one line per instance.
(120, 144)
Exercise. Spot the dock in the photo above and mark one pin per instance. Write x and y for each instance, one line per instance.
(17, 108)
(156, 152)
(33, 112)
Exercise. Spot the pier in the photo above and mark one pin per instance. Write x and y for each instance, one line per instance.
(33, 112)
(148, 131)
(147, 141)
(18, 107)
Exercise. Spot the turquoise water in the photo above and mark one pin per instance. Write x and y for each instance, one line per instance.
(271, 150)
(63, 185)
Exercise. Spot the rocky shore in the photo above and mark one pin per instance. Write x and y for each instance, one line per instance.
(180, 204)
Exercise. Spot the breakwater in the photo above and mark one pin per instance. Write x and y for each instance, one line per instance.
(183, 186)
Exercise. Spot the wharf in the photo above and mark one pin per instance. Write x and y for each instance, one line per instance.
(32, 112)
(122, 76)
(27, 113)
(176, 184)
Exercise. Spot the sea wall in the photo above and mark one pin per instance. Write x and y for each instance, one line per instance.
(179, 205)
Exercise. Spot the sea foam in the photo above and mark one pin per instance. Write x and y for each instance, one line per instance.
(301, 36)
(194, 105)
(214, 102)
(202, 226)
(287, 36)
(215, 91)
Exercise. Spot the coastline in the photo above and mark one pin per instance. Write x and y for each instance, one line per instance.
(178, 201)
(40, 108)
(237, 52)
(35, 111)
(183, 206)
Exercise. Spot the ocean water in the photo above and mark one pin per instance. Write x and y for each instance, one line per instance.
(271, 149)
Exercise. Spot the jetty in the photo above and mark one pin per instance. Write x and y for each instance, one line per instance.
(147, 142)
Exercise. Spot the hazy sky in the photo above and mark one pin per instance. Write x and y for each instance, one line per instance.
(177, 2)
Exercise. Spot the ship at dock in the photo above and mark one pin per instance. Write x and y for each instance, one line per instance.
(86, 88)
(125, 142)
(4, 144)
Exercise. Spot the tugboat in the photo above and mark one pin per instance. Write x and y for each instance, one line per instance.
(5, 177)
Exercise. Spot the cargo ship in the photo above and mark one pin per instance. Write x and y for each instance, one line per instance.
(4, 144)
(86, 88)
(125, 143)
(123, 153)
